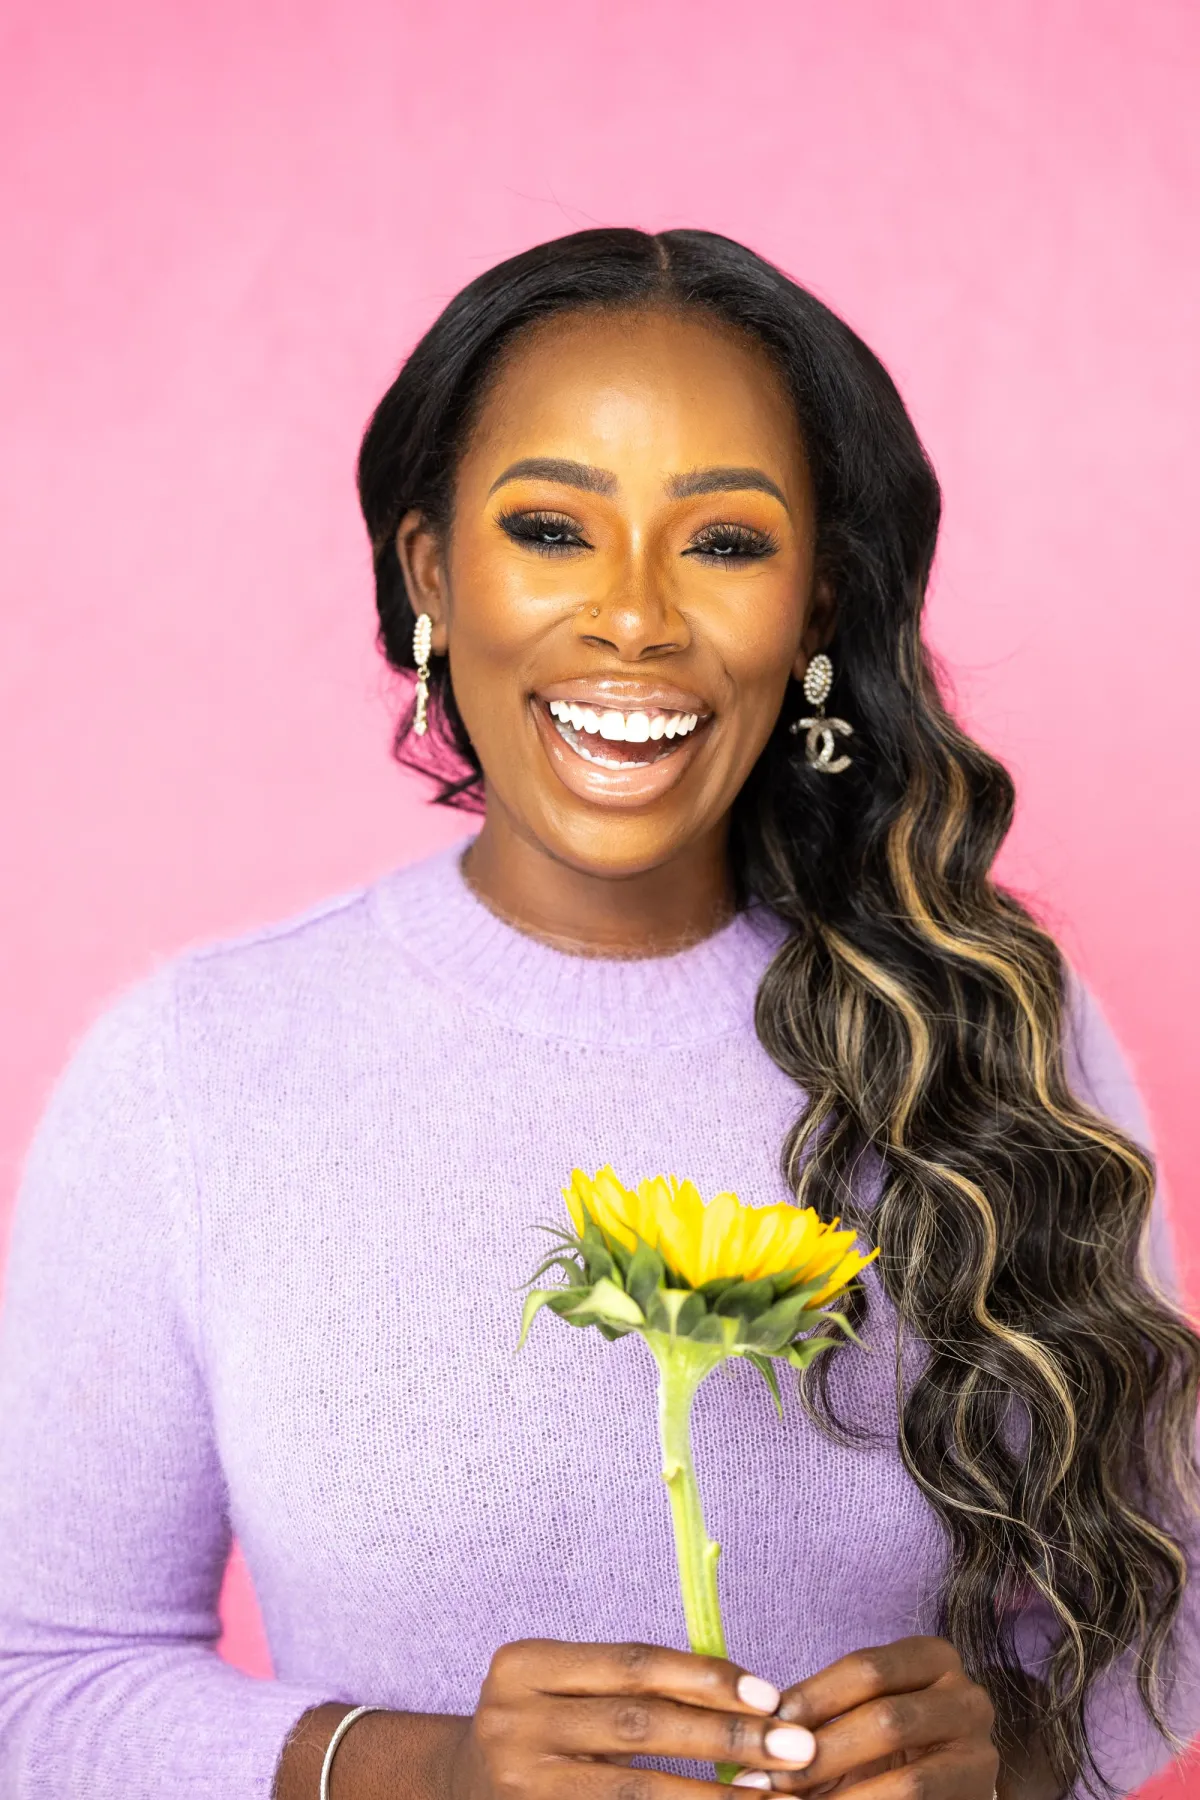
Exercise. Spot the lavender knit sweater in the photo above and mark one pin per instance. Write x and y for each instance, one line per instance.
(265, 1280)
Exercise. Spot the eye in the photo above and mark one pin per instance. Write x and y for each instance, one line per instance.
(549, 533)
(732, 543)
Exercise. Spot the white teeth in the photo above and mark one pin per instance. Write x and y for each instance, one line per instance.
(620, 727)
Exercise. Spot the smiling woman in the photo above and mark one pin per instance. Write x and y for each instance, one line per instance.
(639, 507)
(633, 542)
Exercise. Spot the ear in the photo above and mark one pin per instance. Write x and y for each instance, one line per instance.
(818, 625)
(420, 554)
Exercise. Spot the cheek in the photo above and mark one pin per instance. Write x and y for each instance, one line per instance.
(503, 602)
(758, 637)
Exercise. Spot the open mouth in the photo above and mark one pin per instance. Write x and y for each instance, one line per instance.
(616, 738)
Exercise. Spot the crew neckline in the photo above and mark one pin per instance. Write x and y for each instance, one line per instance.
(707, 990)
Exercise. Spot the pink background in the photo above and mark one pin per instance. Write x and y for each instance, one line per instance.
(227, 221)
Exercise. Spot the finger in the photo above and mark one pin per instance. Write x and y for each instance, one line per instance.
(544, 1666)
(570, 1780)
(954, 1772)
(950, 1711)
(645, 1726)
(896, 1668)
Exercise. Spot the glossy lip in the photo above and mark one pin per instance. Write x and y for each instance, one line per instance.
(640, 784)
(625, 693)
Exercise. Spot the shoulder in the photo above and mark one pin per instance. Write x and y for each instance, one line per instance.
(280, 949)
(286, 979)
(342, 945)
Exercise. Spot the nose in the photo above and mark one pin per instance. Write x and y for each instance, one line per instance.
(638, 616)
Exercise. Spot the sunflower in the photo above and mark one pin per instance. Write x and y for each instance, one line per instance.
(748, 1281)
(700, 1282)
(722, 1240)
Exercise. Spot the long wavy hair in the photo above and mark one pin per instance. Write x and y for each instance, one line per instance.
(918, 1006)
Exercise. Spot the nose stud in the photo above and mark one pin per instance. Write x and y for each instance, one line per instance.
(595, 612)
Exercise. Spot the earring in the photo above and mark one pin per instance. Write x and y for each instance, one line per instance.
(819, 745)
(422, 645)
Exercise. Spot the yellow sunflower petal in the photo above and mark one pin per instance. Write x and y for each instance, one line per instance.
(724, 1238)
(679, 1224)
(719, 1239)
(573, 1196)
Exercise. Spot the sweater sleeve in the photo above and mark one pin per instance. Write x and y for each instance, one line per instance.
(1126, 1745)
(114, 1527)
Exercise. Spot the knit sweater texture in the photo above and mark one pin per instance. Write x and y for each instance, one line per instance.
(265, 1281)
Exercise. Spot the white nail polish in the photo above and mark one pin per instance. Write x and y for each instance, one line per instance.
(755, 1778)
(755, 1692)
(791, 1744)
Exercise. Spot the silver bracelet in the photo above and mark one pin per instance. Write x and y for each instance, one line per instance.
(342, 1728)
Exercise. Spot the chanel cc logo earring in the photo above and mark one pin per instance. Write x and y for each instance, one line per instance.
(422, 645)
(819, 744)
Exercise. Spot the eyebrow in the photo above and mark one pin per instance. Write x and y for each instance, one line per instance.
(556, 468)
(603, 481)
(722, 481)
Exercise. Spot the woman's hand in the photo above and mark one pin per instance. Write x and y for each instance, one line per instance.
(561, 1721)
(900, 1721)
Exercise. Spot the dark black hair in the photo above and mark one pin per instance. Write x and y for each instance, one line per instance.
(918, 1006)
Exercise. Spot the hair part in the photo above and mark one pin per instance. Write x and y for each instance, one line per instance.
(918, 1006)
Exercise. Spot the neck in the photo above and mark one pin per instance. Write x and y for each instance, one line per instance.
(652, 912)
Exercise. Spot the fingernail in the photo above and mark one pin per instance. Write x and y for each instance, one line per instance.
(757, 1693)
(752, 1777)
(791, 1744)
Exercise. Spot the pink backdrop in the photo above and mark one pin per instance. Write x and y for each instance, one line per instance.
(227, 220)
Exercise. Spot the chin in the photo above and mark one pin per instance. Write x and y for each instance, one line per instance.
(616, 846)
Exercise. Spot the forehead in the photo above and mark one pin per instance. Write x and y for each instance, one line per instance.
(675, 388)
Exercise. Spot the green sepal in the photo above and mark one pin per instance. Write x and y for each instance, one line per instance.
(682, 1309)
(720, 1284)
(810, 1289)
(646, 1275)
(597, 1257)
(621, 1257)
(804, 1350)
(567, 1263)
(780, 1323)
(786, 1285)
(608, 1303)
(841, 1320)
(746, 1299)
(766, 1369)
(533, 1305)
(715, 1328)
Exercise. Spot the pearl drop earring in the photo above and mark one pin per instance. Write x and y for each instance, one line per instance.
(422, 645)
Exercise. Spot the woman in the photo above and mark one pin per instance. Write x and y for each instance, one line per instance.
(725, 917)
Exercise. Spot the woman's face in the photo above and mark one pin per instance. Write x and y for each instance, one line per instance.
(627, 583)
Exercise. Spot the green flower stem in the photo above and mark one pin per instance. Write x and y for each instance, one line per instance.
(682, 1366)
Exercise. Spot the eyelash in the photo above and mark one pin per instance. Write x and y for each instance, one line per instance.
(545, 532)
(551, 534)
(742, 544)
